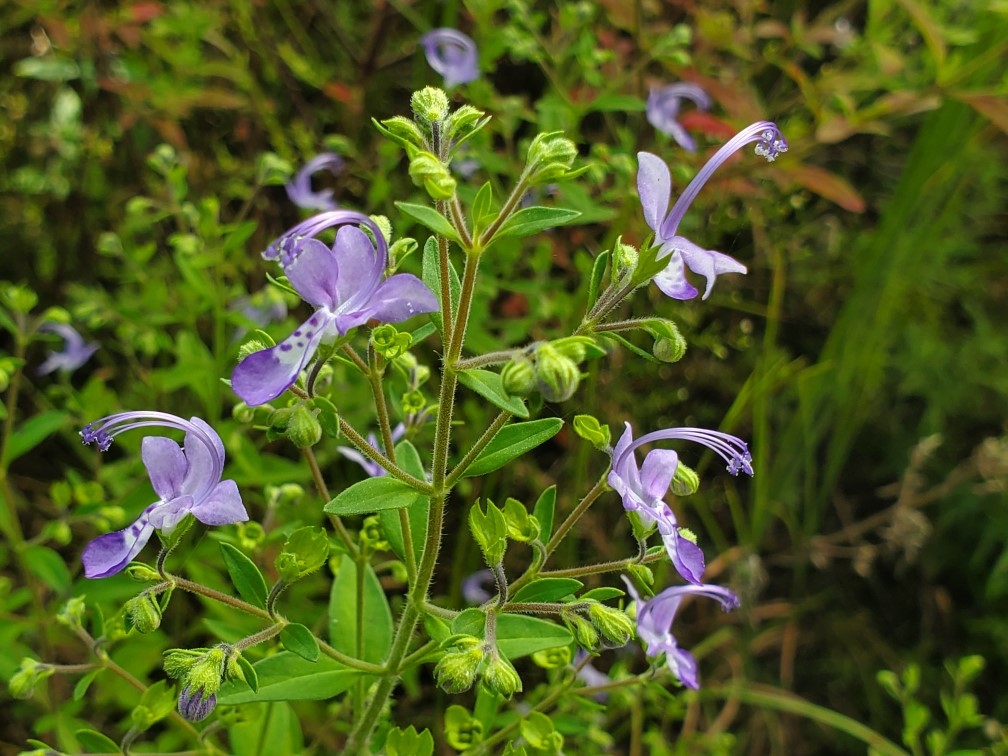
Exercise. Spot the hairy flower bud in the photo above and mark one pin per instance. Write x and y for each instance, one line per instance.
(624, 258)
(518, 376)
(685, 481)
(22, 683)
(143, 613)
(592, 431)
(584, 632)
(429, 105)
(557, 376)
(501, 677)
(403, 131)
(456, 670)
(427, 171)
(72, 613)
(614, 625)
(303, 428)
(243, 413)
(196, 705)
(549, 157)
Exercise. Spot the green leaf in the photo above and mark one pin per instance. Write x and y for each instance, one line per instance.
(80, 689)
(597, 274)
(299, 640)
(287, 677)
(33, 432)
(430, 218)
(377, 617)
(373, 495)
(602, 594)
(95, 742)
(482, 211)
(47, 566)
(267, 729)
(244, 575)
(548, 589)
(409, 459)
(512, 442)
(517, 635)
(532, 220)
(543, 511)
(409, 742)
(248, 673)
(488, 384)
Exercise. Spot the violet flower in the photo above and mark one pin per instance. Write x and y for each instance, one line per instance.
(187, 479)
(347, 285)
(299, 189)
(654, 185)
(195, 705)
(373, 469)
(75, 350)
(288, 245)
(654, 626)
(642, 490)
(474, 587)
(451, 54)
(663, 109)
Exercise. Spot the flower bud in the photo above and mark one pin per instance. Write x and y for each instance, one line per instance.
(413, 402)
(518, 376)
(614, 625)
(557, 376)
(426, 170)
(552, 658)
(402, 131)
(584, 632)
(31, 672)
(685, 481)
(196, 705)
(305, 551)
(592, 431)
(429, 105)
(624, 258)
(72, 613)
(456, 670)
(142, 573)
(303, 427)
(549, 157)
(389, 342)
(143, 613)
(243, 413)
(501, 677)
(669, 344)
(251, 347)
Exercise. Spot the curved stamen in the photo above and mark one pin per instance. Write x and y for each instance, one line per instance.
(285, 247)
(731, 449)
(770, 143)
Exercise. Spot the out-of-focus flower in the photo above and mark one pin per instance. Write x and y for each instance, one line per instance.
(451, 54)
(75, 352)
(347, 285)
(373, 469)
(663, 109)
(590, 676)
(187, 479)
(474, 587)
(654, 626)
(654, 185)
(299, 189)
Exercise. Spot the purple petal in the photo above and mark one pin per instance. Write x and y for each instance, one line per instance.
(400, 297)
(452, 54)
(706, 262)
(110, 553)
(360, 267)
(686, 556)
(166, 465)
(314, 274)
(204, 453)
(684, 666)
(654, 185)
(300, 189)
(657, 472)
(222, 507)
(672, 280)
(373, 469)
(263, 376)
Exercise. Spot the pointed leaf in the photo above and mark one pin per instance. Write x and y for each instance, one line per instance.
(33, 432)
(377, 617)
(430, 218)
(532, 220)
(95, 742)
(517, 635)
(245, 575)
(373, 495)
(512, 442)
(547, 589)
(543, 511)
(488, 384)
(299, 640)
(288, 677)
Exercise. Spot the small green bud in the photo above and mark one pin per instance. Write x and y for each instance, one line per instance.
(143, 613)
(427, 171)
(669, 344)
(303, 428)
(501, 677)
(642, 573)
(18, 297)
(553, 658)
(490, 531)
(207, 672)
(614, 625)
(456, 670)
(178, 661)
(413, 402)
(31, 672)
(305, 550)
(519, 376)
(384, 225)
(251, 347)
(625, 257)
(685, 481)
(557, 376)
(389, 342)
(592, 431)
(463, 123)
(430, 105)
(584, 632)
(372, 537)
(142, 573)
(549, 157)
(72, 613)
(243, 413)
(461, 730)
(402, 131)
(521, 526)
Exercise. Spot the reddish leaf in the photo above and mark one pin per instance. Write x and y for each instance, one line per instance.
(826, 184)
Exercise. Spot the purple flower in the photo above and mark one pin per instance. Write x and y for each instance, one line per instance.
(75, 350)
(591, 677)
(299, 189)
(373, 469)
(654, 626)
(474, 587)
(451, 54)
(654, 187)
(196, 705)
(187, 479)
(288, 246)
(663, 110)
(347, 285)
(643, 489)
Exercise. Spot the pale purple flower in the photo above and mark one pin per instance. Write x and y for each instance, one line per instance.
(451, 54)
(643, 489)
(373, 469)
(474, 587)
(347, 285)
(654, 626)
(187, 480)
(663, 109)
(299, 189)
(75, 350)
(590, 676)
(654, 185)
(195, 705)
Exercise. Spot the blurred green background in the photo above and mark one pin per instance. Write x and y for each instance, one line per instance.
(144, 146)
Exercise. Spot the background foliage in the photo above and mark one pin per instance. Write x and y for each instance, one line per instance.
(143, 150)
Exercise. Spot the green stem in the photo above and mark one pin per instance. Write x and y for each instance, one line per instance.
(419, 654)
(487, 360)
(361, 444)
(262, 636)
(488, 435)
(323, 491)
(509, 206)
(575, 514)
(602, 567)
